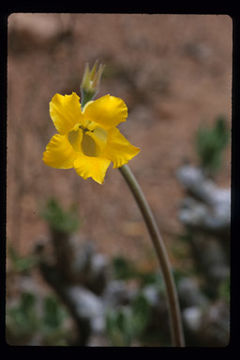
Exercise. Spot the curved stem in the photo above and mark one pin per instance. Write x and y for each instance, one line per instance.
(174, 310)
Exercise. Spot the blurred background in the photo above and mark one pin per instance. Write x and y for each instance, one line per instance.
(78, 254)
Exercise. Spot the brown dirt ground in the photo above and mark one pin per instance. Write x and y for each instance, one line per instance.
(173, 71)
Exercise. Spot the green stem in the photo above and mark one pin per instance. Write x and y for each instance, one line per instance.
(174, 310)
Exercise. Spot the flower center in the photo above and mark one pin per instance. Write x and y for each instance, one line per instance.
(89, 146)
(89, 142)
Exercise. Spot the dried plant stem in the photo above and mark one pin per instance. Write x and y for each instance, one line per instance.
(174, 310)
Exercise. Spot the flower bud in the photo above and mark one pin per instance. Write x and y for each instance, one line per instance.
(91, 82)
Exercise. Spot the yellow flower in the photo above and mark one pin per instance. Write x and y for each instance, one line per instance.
(88, 139)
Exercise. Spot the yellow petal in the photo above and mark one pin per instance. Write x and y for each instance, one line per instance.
(107, 111)
(59, 153)
(65, 111)
(89, 166)
(118, 149)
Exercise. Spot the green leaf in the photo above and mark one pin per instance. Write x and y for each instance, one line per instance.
(140, 314)
(19, 263)
(53, 314)
(22, 318)
(58, 219)
(123, 268)
(118, 327)
(210, 143)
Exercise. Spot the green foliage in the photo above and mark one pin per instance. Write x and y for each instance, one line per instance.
(53, 314)
(28, 319)
(59, 219)
(53, 322)
(210, 143)
(21, 264)
(224, 290)
(123, 268)
(128, 323)
(118, 327)
(21, 318)
(140, 314)
(152, 278)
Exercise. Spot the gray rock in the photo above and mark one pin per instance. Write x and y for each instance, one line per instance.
(117, 293)
(209, 206)
(151, 293)
(190, 294)
(192, 317)
(88, 306)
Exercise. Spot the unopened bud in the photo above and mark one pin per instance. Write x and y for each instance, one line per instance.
(91, 82)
